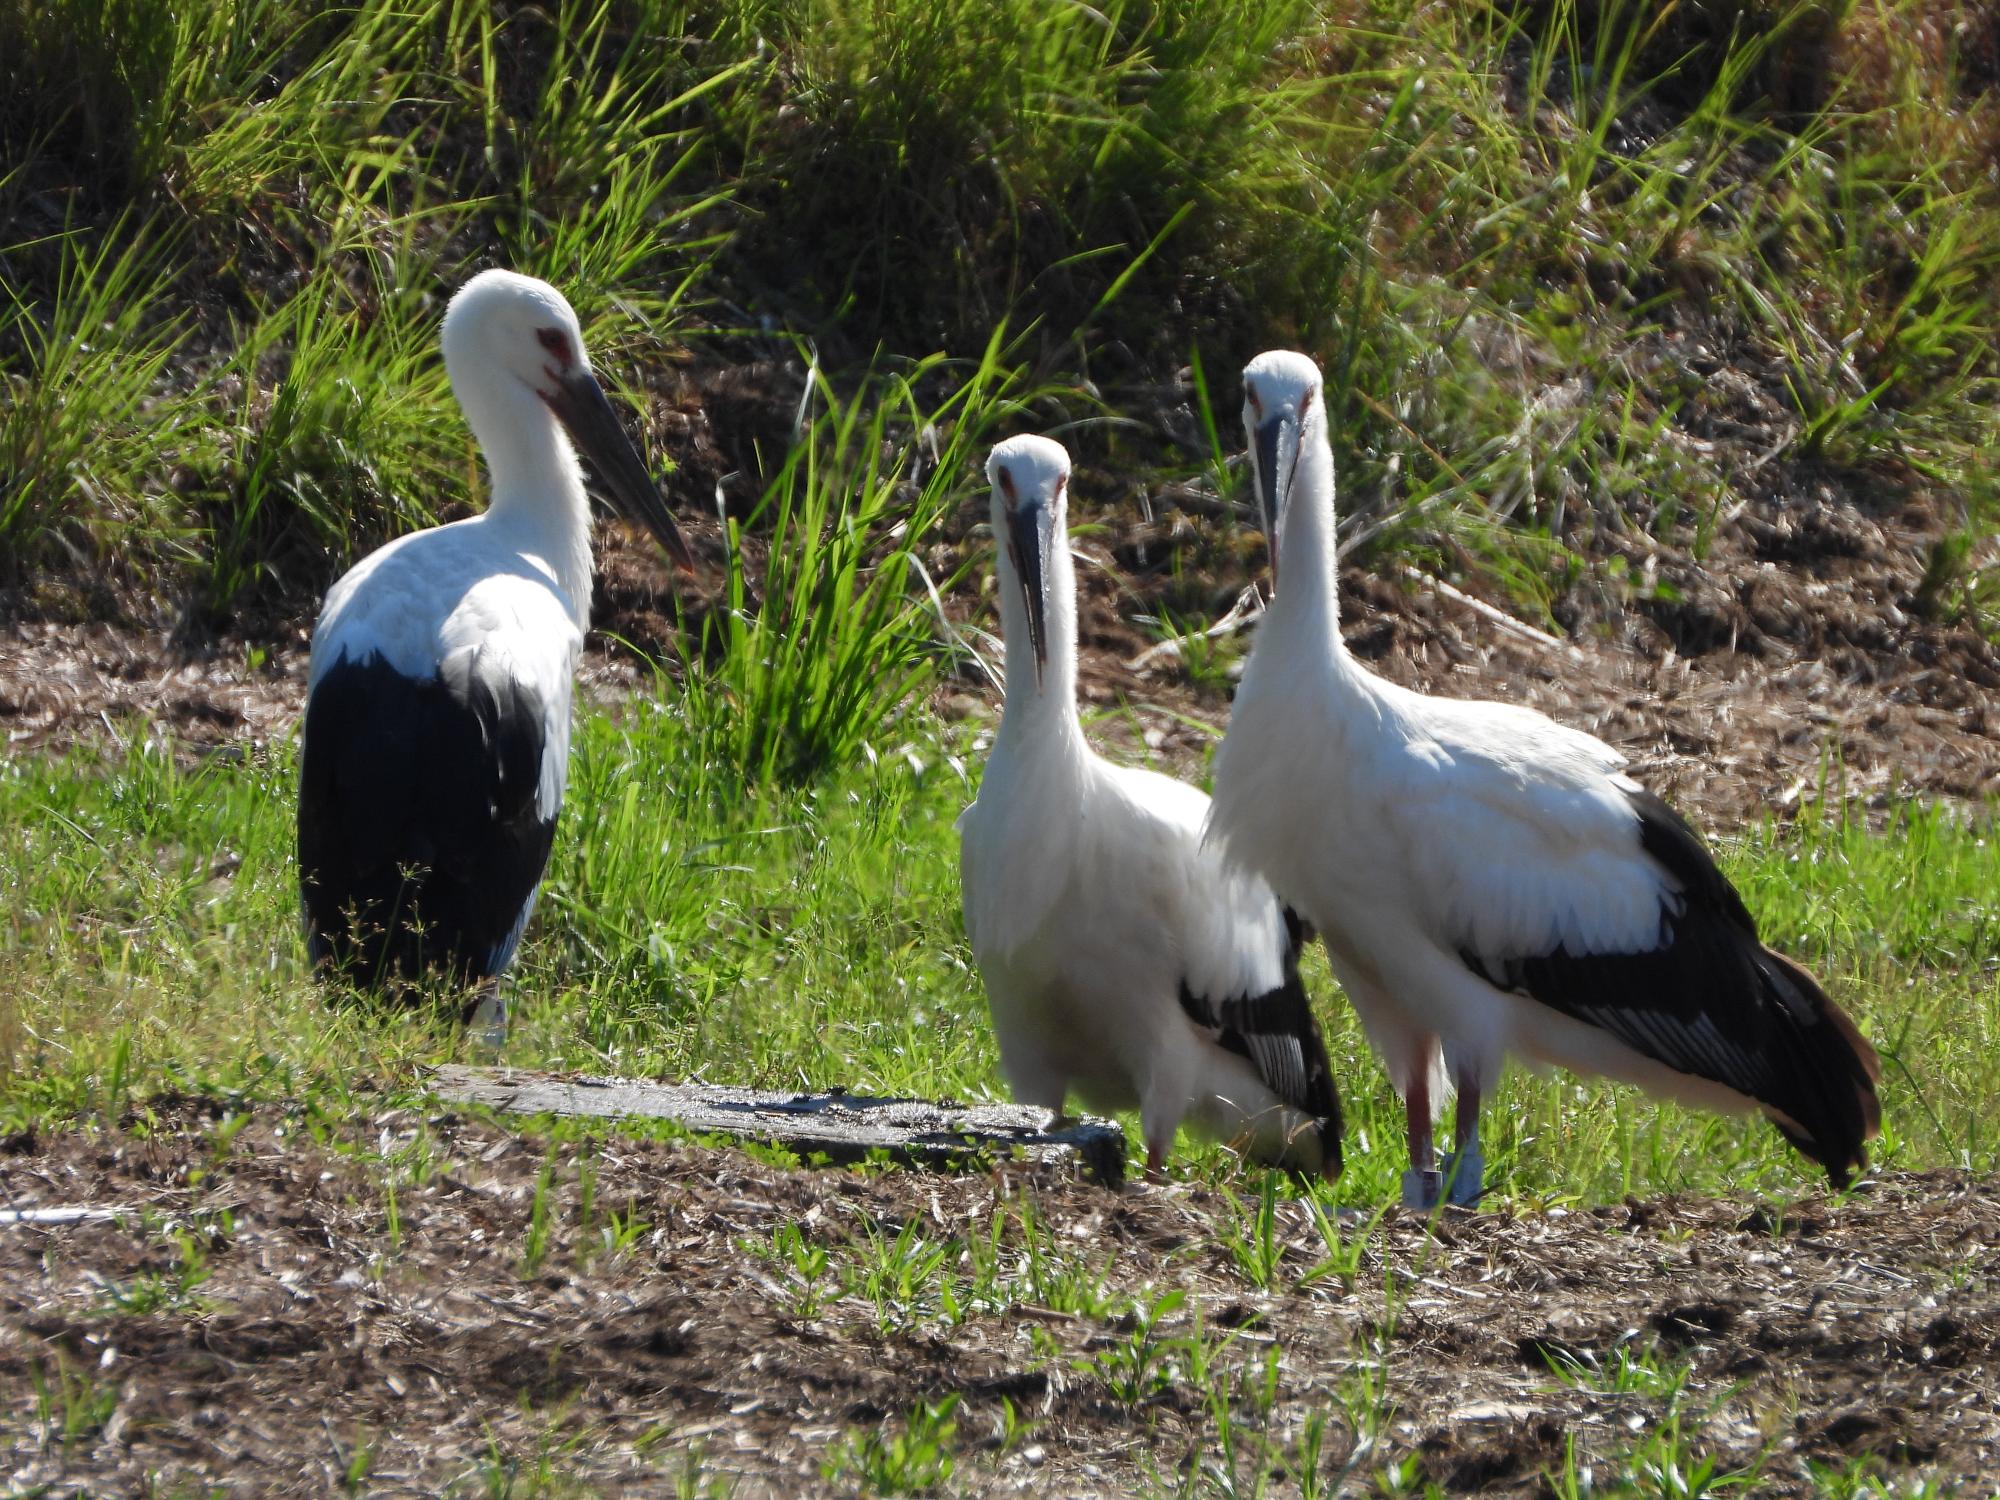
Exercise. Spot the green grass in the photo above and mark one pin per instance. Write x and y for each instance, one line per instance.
(820, 647)
(81, 430)
(811, 936)
(1518, 237)
(70, 1405)
(914, 1461)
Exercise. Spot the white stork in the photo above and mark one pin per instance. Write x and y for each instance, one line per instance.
(1491, 881)
(1119, 957)
(436, 739)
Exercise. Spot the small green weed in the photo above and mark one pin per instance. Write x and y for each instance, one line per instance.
(1345, 1251)
(910, 1462)
(1146, 1360)
(1057, 1277)
(71, 1406)
(806, 1265)
(1862, 1479)
(541, 1217)
(1255, 1236)
(900, 1276)
(171, 1291)
(357, 1463)
(1623, 1373)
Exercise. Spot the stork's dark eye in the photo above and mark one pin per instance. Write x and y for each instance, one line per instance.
(1006, 479)
(1306, 401)
(1255, 405)
(557, 343)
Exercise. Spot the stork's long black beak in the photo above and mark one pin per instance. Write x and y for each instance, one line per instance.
(1277, 462)
(581, 406)
(1030, 529)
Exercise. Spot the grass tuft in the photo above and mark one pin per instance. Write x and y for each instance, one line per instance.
(86, 439)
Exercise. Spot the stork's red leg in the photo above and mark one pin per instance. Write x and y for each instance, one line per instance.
(1465, 1168)
(1417, 1113)
(1422, 1182)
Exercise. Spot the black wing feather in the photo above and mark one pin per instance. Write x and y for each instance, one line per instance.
(1710, 1000)
(1277, 1035)
(420, 842)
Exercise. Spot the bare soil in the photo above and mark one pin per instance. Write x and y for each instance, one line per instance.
(1810, 1333)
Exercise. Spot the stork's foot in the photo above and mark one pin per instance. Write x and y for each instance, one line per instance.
(1422, 1188)
(1465, 1175)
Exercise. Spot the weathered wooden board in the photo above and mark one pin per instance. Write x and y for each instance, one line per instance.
(60, 1218)
(845, 1127)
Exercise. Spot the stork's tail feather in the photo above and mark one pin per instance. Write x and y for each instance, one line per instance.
(1323, 1096)
(1277, 1034)
(1826, 1104)
(1786, 1044)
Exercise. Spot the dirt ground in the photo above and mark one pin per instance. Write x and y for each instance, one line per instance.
(319, 1328)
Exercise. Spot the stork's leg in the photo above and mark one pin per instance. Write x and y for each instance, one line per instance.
(486, 1018)
(1465, 1168)
(1159, 1127)
(1168, 1089)
(1159, 1124)
(1033, 1076)
(1422, 1183)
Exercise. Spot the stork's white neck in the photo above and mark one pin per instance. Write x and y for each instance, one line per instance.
(538, 500)
(1307, 599)
(1044, 715)
(1033, 791)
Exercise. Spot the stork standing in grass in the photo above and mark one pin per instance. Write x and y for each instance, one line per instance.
(1120, 958)
(1489, 882)
(436, 740)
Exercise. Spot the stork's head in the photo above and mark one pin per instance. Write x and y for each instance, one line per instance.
(507, 333)
(1030, 477)
(1281, 400)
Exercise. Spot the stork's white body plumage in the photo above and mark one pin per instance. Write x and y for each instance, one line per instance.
(1121, 959)
(436, 737)
(1462, 825)
(1487, 881)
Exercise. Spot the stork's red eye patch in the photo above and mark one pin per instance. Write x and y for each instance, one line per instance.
(557, 343)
